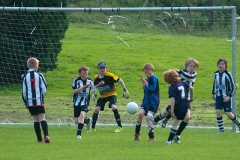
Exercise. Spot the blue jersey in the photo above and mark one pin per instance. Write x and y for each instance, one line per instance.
(151, 93)
(179, 91)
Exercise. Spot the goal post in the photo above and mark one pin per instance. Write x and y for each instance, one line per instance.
(122, 22)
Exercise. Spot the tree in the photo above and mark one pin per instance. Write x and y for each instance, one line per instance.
(30, 34)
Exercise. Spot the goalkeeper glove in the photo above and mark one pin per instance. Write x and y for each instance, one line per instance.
(125, 93)
(94, 96)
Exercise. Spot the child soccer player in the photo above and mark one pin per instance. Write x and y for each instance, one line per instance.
(189, 76)
(224, 88)
(34, 89)
(150, 101)
(108, 93)
(81, 88)
(178, 93)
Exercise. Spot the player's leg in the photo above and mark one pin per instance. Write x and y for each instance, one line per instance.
(36, 124)
(228, 111)
(138, 124)
(218, 107)
(83, 110)
(173, 131)
(43, 122)
(99, 106)
(182, 126)
(112, 104)
(77, 119)
(167, 115)
(150, 127)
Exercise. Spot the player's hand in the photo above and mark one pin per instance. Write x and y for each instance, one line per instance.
(192, 99)
(213, 97)
(226, 99)
(125, 93)
(94, 96)
(86, 86)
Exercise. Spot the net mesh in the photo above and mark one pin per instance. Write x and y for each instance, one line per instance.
(63, 41)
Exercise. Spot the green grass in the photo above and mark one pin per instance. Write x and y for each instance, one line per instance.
(19, 142)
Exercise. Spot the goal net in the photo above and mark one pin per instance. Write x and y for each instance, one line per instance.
(63, 39)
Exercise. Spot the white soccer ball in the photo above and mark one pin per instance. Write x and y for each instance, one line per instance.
(132, 108)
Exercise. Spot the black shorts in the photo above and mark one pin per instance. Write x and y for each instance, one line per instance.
(79, 109)
(102, 101)
(180, 115)
(36, 110)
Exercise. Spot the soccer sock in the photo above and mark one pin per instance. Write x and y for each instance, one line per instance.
(138, 127)
(236, 120)
(117, 117)
(86, 121)
(150, 132)
(37, 130)
(158, 118)
(173, 132)
(80, 127)
(168, 116)
(44, 127)
(95, 118)
(182, 126)
(220, 124)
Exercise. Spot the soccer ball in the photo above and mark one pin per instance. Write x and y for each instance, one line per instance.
(132, 108)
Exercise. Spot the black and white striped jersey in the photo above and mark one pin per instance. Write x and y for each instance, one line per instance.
(189, 78)
(82, 98)
(34, 88)
(223, 84)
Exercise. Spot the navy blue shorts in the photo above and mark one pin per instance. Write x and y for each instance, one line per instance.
(227, 106)
(102, 101)
(180, 115)
(36, 110)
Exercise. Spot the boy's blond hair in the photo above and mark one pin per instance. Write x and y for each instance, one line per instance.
(191, 60)
(148, 66)
(83, 68)
(171, 76)
(32, 62)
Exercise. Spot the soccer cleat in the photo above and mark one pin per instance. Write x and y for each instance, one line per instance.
(88, 125)
(137, 137)
(40, 141)
(176, 139)
(168, 143)
(79, 137)
(151, 118)
(92, 130)
(151, 139)
(220, 131)
(119, 129)
(47, 139)
(164, 122)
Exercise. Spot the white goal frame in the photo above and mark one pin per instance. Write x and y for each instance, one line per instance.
(214, 8)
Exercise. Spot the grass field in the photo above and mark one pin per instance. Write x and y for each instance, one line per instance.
(19, 143)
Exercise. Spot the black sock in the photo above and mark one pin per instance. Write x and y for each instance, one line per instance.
(94, 118)
(172, 134)
(38, 130)
(117, 117)
(151, 132)
(44, 127)
(86, 120)
(158, 118)
(168, 116)
(80, 127)
(138, 127)
(181, 127)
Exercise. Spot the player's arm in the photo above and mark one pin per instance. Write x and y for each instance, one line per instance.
(214, 89)
(172, 102)
(75, 91)
(191, 93)
(125, 91)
